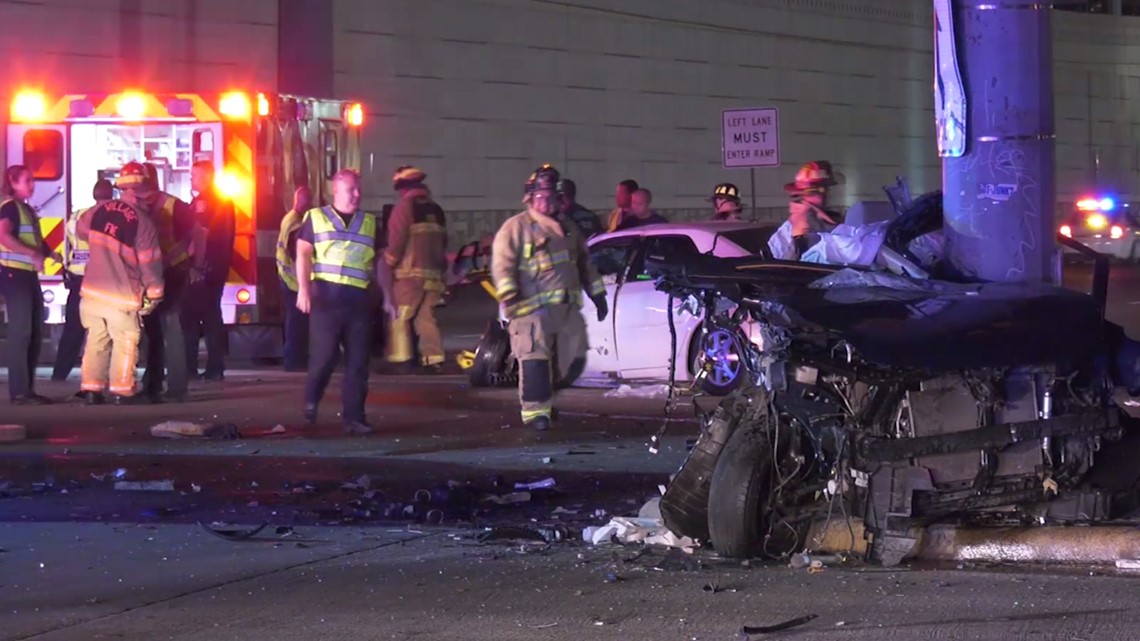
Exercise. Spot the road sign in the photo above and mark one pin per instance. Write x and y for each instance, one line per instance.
(751, 137)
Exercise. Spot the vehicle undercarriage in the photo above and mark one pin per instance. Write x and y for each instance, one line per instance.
(897, 403)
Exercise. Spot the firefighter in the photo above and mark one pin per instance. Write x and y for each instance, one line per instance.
(337, 251)
(180, 238)
(71, 341)
(726, 203)
(540, 266)
(22, 255)
(296, 323)
(412, 272)
(202, 311)
(808, 212)
(123, 283)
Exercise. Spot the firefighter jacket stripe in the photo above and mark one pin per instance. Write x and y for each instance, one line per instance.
(535, 266)
(343, 255)
(28, 234)
(176, 250)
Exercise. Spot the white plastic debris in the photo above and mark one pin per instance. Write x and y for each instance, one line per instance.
(651, 509)
(646, 391)
(648, 531)
(179, 429)
(544, 484)
(145, 486)
(1128, 564)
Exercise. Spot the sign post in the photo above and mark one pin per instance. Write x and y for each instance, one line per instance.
(751, 138)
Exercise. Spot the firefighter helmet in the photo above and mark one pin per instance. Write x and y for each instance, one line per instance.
(728, 191)
(133, 175)
(544, 178)
(813, 177)
(407, 176)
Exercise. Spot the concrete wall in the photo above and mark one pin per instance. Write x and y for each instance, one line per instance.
(479, 92)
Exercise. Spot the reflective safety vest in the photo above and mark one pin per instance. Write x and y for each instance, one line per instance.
(343, 255)
(78, 251)
(174, 251)
(286, 267)
(28, 233)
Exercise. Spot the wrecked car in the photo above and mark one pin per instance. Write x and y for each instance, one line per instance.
(895, 402)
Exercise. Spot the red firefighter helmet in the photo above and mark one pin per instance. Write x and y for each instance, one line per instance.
(133, 175)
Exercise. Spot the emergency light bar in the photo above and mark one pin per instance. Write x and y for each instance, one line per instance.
(1096, 204)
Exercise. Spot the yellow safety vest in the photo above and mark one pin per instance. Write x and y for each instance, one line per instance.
(343, 255)
(286, 268)
(174, 251)
(78, 251)
(28, 233)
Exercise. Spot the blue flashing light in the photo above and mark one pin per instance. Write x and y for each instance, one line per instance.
(1107, 204)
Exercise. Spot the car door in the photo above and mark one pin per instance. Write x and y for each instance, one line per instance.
(641, 327)
(611, 258)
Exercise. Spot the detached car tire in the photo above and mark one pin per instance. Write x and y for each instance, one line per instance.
(685, 505)
(738, 494)
(493, 366)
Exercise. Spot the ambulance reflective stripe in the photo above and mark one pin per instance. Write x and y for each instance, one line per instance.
(28, 233)
(343, 255)
(79, 252)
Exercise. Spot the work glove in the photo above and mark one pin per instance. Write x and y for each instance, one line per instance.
(149, 305)
(197, 275)
(68, 280)
(509, 301)
(602, 305)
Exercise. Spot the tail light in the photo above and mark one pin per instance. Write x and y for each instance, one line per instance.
(243, 296)
(1066, 231)
(29, 106)
(1097, 221)
(1117, 231)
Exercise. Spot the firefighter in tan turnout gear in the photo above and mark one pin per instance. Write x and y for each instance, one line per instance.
(540, 266)
(123, 282)
(415, 261)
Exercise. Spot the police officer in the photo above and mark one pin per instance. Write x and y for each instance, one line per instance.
(337, 250)
(22, 255)
(726, 203)
(412, 273)
(75, 262)
(202, 311)
(180, 237)
(123, 283)
(540, 266)
(296, 323)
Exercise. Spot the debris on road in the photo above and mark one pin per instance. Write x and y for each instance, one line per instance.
(637, 530)
(145, 486)
(647, 391)
(544, 484)
(233, 535)
(186, 429)
(779, 627)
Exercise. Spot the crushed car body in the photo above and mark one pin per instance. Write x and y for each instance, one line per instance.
(896, 401)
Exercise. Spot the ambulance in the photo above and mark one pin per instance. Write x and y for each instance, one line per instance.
(263, 145)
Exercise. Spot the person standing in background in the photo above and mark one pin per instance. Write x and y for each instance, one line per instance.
(586, 220)
(75, 264)
(202, 314)
(22, 255)
(296, 323)
(623, 198)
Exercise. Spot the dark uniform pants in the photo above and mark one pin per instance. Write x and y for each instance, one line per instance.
(415, 316)
(202, 318)
(71, 341)
(332, 327)
(166, 346)
(550, 345)
(296, 331)
(24, 301)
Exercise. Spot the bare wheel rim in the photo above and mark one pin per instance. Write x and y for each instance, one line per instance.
(721, 352)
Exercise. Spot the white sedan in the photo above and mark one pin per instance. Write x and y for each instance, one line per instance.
(633, 341)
